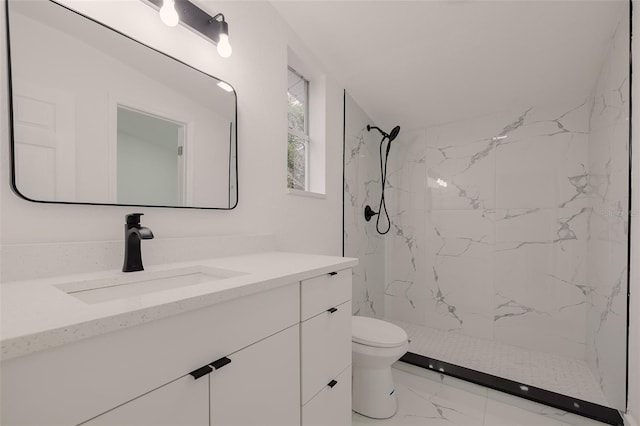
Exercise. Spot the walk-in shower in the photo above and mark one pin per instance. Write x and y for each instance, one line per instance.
(507, 252)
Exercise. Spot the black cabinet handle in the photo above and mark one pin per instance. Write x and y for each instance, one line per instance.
(332, 383)
(332, 310)
(219, 363)
(333, 273)
(202, 371)
(215, 365)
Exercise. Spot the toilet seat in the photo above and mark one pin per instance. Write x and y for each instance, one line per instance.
(376, 333)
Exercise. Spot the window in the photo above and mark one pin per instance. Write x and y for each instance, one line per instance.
(307, 125)
(298, 137)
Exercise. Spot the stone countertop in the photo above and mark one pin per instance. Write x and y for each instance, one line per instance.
(37, 315)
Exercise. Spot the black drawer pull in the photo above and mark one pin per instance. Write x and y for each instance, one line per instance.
(202, 371)
(332, 310)
(332, 384)
(333, 273)
(219, 363)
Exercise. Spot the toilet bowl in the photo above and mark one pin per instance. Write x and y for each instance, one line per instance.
(376, 344)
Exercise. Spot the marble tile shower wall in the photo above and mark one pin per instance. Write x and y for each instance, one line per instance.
(608, 184)
(362, 186)
(490, 228)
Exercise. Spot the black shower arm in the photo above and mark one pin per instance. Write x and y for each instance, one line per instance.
(384, 134)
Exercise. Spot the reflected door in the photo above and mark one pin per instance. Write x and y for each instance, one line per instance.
(150, 159)
(44, 143)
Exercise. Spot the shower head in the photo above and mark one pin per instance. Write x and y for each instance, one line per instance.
(391, 136)
(394, 133)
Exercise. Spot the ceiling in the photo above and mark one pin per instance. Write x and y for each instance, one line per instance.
(422, 63)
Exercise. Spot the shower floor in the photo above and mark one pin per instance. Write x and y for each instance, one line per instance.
(555, 373)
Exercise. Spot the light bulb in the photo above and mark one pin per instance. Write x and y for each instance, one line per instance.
(224, 48)
(168, 13)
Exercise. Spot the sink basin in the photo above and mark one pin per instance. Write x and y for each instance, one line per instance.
(130, 284)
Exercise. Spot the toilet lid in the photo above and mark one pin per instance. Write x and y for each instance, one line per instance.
(377, 333)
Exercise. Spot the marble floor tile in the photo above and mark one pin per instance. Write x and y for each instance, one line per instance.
(423, 401)
(427, 398)
(498, 400)
(502, 414)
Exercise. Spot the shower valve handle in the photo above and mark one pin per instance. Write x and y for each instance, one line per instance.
(369, 213)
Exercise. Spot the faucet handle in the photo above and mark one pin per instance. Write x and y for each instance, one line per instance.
(133, 219)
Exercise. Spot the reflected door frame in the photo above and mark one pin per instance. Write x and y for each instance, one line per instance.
(185, 166)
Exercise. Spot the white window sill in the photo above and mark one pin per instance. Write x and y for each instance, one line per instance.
(309, 194)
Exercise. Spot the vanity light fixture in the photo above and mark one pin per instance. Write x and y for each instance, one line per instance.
(213, 28)
(168, 13)
(224, 48)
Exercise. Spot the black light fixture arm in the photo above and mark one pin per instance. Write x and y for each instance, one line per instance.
(218, 25)
(197, 19)
(215, 18)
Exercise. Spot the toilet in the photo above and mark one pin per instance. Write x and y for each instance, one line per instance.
(376, 344)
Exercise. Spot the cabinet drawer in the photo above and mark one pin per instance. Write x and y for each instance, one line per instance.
(325, 348)
(332, 406)
(321, 293)
(182, 402)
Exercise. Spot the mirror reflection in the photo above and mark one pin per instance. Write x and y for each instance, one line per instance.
(101, 118)
(150, 159)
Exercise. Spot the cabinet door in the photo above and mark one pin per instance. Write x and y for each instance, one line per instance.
(261, 385)
(182, 402)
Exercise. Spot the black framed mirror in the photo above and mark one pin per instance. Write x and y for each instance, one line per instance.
(98, 117)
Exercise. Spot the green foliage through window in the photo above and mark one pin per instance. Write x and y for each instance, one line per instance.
(298, 136)
(296, 162)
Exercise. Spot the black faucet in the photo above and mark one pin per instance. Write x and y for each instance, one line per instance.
(133, 235)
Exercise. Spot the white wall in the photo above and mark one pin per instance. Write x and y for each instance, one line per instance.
(257, 70)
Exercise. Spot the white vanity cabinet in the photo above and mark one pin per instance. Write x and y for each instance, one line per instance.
(325, 349)
(277, 356)
(125, 374)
